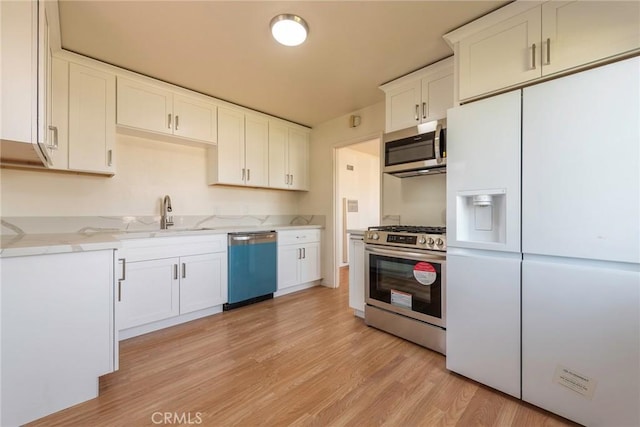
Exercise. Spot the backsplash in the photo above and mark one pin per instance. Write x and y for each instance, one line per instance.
(105, 224)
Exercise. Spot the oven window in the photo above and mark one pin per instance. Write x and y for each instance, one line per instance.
(411, 284)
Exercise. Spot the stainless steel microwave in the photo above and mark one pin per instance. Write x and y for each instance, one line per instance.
(419, 150)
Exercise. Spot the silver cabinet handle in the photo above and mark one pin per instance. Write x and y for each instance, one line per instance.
(291, 180)
(304, 253)
(533, 55)
(175, 271)
(110, 158)
(54, 146)
(417, 112)
(119, 290)
(243, 173)
(548, 51)
(286, 179)
(177, 121)
(124, 268)
(184, 270)
(248, 174)
(424, 110)
(299, 253)
(169, 121)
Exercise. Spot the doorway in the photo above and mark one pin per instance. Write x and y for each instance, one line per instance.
(357, 196)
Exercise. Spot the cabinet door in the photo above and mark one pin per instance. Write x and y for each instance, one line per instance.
(91, 119)
(578, 32)
(149, 293)
(203, 281)
(195, 119)
(144, 107)
(230, 147)
(278, 150)
(403, 106)
(288, 265)
(437, 97)
(310, 263)
(44, 75)
(501, 56)
(59, 114)
(19, 74)
(356, 273)
(256, 151)
(298, 160)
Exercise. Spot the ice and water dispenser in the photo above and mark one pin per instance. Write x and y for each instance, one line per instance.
(482, 216)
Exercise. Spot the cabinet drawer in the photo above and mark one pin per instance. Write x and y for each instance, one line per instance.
(292, 237)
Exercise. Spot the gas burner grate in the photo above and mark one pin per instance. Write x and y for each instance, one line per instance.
(417, 229)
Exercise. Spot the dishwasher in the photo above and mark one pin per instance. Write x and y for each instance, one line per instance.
(253, 268)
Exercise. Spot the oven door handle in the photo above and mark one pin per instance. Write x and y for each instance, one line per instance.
(404, 254)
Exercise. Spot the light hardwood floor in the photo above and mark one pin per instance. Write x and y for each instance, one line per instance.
(302, 360)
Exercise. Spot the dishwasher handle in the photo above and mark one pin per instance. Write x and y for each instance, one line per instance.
(236, 239)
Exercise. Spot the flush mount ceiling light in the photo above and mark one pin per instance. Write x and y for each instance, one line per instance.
(289, 30)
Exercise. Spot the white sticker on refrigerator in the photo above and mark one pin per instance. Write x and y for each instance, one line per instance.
(575, 381)
(401, 299)
(425, 273)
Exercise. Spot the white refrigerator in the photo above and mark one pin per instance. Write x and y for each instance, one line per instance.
(581, 245)
(543, 284)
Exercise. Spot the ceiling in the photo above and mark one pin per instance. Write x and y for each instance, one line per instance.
(225, 49)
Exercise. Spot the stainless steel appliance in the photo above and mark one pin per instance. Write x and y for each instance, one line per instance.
(405, 288)
(419, 150)
(253, 268)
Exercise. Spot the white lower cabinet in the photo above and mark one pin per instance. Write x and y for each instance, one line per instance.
(196, 290)
(149, 292)
(156, 286)
(356, 274)
(298, 257)
(58, 331)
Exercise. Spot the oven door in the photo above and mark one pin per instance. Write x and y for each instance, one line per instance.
(406, 282)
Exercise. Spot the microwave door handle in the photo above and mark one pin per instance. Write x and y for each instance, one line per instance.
(437, 143)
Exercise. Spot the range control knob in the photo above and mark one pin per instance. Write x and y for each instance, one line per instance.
(430, 241)
(439, 242)
(375, 236)
(422, 240)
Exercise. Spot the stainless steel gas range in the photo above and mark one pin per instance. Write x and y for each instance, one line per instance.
(405, 282)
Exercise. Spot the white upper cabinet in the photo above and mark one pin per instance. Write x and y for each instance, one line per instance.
(241, 156)
(144, 106)
(82, 118)
(420, 97)
(25, 62)
(288, 157)
(92, 99)
(500, 56)
(256, 153)
(526, 40)
(580, 32)
(155, 108)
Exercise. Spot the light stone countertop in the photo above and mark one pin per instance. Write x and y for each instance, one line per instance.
(55, 243)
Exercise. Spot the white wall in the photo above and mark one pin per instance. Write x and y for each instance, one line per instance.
(362, 184)
(420, 200)
(320, 199)
(146, 171)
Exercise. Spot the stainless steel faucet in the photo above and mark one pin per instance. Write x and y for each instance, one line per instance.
(166, 220)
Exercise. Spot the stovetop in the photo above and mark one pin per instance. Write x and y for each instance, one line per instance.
(417, 229)
(408, 236)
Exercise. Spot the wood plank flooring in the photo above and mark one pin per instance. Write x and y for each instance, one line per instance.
(299, 360)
